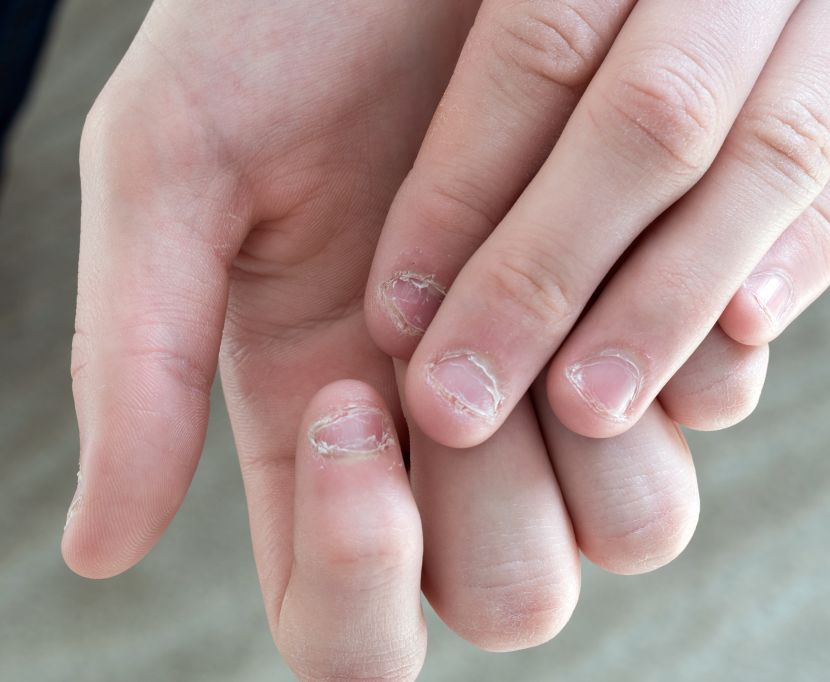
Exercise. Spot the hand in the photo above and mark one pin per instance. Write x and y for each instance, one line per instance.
(688, 111)
(236, 171)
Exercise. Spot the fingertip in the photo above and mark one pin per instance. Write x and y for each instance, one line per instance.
(443, 418)
(719, 386)
(521, 614)
(117, 515)
(746, 321)
(340, 393)
(93, 551)
(576, 405)
(383, 330)
(647, 544)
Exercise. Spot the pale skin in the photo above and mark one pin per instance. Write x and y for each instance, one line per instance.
(236, 173)
(702, 122)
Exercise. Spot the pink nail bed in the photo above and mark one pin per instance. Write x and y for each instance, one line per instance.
(354, 431)
(774, 293)
(466, 381)
(609, 383)
(411, 301)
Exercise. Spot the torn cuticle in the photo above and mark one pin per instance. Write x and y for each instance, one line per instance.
(609, 383)
(466, 381)
(354, 432)
(411, 300)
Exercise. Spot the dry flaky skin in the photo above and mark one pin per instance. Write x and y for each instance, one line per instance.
(427, 285)
(574, 374)
(77, 501)
(368, 445)
(489, 382)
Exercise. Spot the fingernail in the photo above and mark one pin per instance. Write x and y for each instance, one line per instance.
(773, 291)
(465, 381)
(355, 431)
(608, 382)
(411, 301)
(77, 500)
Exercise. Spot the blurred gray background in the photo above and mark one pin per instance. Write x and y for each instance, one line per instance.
(749, 600)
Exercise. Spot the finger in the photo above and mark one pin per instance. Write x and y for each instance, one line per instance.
(655, 114)
(793, 274)
(270, 373)
(681, 278)
(718, 386)
(151, 303)
(522, 71)
(355, 584)
(501, 566)
(633, 499)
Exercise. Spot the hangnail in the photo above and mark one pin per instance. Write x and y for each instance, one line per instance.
(354, 431)
(411, 301)
(466, 381)
(77, 501)
(609, 383)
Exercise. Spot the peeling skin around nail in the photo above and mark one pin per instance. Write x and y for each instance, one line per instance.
(461, 406)
(427, 288)
(76, 502)
(574, 375)
(361, 448)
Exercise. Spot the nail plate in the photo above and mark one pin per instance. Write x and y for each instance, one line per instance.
(466, 381)
(609, 383)
(774, 293)
(354, 431)
(411, 301)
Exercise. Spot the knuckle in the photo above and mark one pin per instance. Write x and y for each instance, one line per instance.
(374, 555)
(529, 282)
(788, 142)
(684, 283)
(186, 370)
(665, 103)
(455, 208)
(549, 41)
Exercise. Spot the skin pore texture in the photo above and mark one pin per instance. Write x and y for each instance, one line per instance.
(236, 173)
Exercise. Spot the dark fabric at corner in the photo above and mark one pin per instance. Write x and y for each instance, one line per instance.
(23, 28)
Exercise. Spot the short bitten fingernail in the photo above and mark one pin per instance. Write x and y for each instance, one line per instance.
(466, 381)
(77, 501)
(774, 293)
(608, 382)
(353, 431)
(411, 301)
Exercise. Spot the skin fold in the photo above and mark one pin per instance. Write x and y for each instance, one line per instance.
(236, 172)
